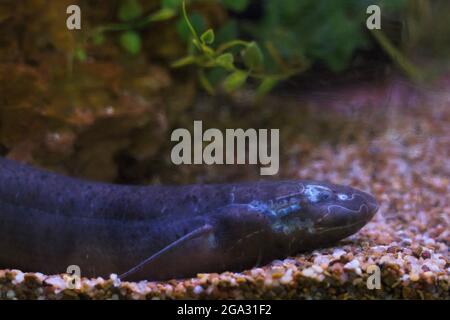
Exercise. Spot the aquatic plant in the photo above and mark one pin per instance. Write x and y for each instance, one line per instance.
(328, 33)
(282, 45)
(238, 65)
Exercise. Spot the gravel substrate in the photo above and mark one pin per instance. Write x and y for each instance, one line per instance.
(406, 166)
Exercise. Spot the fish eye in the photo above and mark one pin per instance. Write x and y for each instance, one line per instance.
(342, 196)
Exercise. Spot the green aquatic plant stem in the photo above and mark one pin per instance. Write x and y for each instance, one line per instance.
(191, 27)
(233, 43)
(399, 58)
(209, 57)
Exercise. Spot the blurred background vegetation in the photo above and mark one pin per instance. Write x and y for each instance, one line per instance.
(101, 102)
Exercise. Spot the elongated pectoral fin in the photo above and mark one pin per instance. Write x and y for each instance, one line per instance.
(172, 254)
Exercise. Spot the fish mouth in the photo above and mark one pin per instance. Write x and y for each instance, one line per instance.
(371, 203)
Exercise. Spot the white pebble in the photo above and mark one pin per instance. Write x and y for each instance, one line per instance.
(18, 278)
(309, 272)
(322, 260)
(115, 279)
(56, 281)
(10, 294)
(352, 264)
(287, 277)
(338, 253)
(433, 267)
(317, 269)
(198, 289)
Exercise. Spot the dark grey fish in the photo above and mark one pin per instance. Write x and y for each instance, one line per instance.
(49, 221)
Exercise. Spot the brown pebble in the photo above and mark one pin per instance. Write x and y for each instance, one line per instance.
(393, 249)
(417, 251)
(414, 277)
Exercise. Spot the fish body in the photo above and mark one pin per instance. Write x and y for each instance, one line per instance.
(49, 222)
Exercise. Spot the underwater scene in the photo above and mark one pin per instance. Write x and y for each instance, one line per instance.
(224, 149)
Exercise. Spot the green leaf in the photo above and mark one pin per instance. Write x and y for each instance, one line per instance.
(266, 85)
(234, 81)
(236, 5)
(129, 10)
(130, 41)
(208, 36)
(162, 14)
(80, 54)
(183, 62)
(226, 61)
(98, 39)
(253, 57)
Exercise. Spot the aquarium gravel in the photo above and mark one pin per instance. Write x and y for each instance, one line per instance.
(406, 166)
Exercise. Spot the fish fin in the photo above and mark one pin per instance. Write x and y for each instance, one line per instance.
(191, 235)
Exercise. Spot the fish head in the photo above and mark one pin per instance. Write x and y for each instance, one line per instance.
(321, 213)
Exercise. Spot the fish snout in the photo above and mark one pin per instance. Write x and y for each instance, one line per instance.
(349, 212)
(371, 203)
